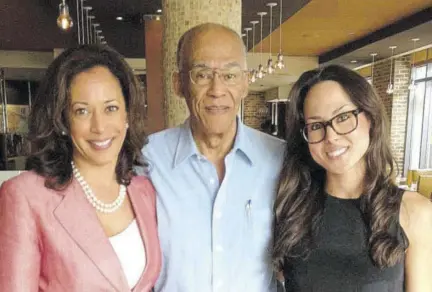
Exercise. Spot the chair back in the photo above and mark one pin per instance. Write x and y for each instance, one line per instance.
(425, 185)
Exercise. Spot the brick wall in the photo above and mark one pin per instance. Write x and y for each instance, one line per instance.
(396, 104)
(252, 103)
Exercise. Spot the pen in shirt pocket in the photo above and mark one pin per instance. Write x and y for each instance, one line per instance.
(248, 207)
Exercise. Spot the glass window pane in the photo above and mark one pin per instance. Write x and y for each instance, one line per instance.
(429, 70)
(426, 159)
(420, 72)
(417, 108)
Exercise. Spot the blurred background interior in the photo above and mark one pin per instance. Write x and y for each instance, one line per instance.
(388, 42)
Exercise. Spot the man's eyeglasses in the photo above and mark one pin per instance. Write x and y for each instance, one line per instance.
(230, 76)
(344, 123)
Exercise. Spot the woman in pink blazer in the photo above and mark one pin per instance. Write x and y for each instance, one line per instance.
(80, 219)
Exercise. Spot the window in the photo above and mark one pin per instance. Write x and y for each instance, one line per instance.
(418, 150)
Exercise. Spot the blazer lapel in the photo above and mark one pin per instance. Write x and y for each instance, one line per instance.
(145, 216)
(79, 219)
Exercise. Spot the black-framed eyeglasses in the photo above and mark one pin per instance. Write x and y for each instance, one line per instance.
(229, 76)
(343, 123)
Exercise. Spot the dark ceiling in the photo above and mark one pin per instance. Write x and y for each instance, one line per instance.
(31, 24)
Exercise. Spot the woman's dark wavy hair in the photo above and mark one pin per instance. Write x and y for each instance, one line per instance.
(51, 151)
(300, 200)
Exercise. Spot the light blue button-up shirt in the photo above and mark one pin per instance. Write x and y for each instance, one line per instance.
(215, 236)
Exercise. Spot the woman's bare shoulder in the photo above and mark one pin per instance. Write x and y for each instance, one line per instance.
(416, 216)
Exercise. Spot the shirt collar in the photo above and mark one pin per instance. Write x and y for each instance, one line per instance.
(243, 144)
(186, 146)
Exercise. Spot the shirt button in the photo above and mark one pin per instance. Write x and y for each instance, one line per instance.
(219, 248)
(218, 215)
(212, 181)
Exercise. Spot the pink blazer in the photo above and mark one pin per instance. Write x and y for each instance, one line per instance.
(52, 240)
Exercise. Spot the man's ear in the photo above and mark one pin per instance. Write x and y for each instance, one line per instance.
(245, 89)
(177, 84)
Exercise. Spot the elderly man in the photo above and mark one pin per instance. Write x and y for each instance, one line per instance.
(215, 177)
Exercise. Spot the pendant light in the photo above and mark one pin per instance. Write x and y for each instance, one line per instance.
(412, 85)
(247, 30)
(86, 24)
(261, 72)
(280, 62)
(390, 88)
(270, 68)
(96, 32)
(64, 20)
(253, 78)
(102, 40)
(91, 18)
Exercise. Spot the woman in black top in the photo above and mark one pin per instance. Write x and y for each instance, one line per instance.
(341, 223)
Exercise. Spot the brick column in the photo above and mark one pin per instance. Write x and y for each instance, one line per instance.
(178, 17)
(251, 106)
(396, 104)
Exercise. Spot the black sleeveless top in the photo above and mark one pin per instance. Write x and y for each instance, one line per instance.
(340, 261)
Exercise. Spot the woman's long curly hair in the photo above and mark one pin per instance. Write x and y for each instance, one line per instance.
(49, 123)
(300, 200)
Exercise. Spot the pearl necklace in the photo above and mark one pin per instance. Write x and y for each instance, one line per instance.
(95, 202)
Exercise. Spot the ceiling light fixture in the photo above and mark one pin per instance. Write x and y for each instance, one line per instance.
(159, 11)
(261, 71)
(91, 17)
(87, 9)
(119, 18)
(412, 85)
(64, 20)
(96, 32)
(270, 68)
(247, 30)
(253, 72)
(353, 61)
(280, 62)
(390, 88)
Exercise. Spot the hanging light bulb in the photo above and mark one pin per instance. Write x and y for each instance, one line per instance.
(64, 20)
(247, 30)
(270, 68)
(261, 72)
(253, 74)
(412, 85)
(280, 62)
(390, 88)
